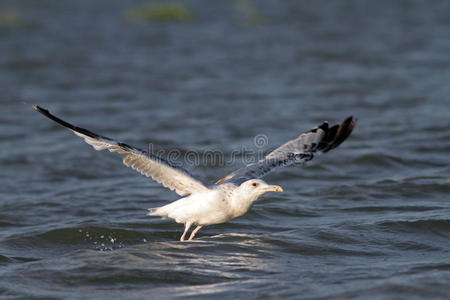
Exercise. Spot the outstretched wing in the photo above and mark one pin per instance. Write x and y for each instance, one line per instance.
(318, 140)
(146, 163)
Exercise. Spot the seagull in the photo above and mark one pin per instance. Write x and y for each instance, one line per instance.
(230, 197)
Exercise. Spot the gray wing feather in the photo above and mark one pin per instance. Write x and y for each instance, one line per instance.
(303, 148)
(148, 164)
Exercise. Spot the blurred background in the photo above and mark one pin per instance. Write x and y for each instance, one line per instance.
(370, 218)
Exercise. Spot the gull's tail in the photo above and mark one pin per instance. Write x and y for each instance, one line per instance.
(156, 211)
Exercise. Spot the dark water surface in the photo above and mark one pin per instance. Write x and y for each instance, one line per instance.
(368, 220)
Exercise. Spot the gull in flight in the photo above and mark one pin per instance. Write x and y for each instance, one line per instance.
(232, 196)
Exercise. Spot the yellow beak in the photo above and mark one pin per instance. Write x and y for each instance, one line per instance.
(275, 188)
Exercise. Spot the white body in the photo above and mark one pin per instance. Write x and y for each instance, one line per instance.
(216, 206)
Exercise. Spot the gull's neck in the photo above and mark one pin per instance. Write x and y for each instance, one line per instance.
(241, 202)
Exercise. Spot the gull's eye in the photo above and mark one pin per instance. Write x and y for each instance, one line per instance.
(255, 184)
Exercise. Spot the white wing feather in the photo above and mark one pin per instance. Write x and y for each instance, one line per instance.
(148, 164)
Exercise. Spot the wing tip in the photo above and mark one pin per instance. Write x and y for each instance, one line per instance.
(351, 120)
(74, 128)
(40, 109)
(341, 133)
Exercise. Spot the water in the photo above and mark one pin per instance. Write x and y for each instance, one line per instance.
(369, 219)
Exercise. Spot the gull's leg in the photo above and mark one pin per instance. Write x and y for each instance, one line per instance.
(194, 232)
(186, 228)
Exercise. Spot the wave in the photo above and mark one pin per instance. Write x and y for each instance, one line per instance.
(439, 227)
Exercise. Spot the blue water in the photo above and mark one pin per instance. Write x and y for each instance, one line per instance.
(367, 220)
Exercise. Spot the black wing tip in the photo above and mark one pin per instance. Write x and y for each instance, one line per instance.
(349, 124)
(338, 134)
(46, 113)
(351, 120)
(66, 124)
(40, 109)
